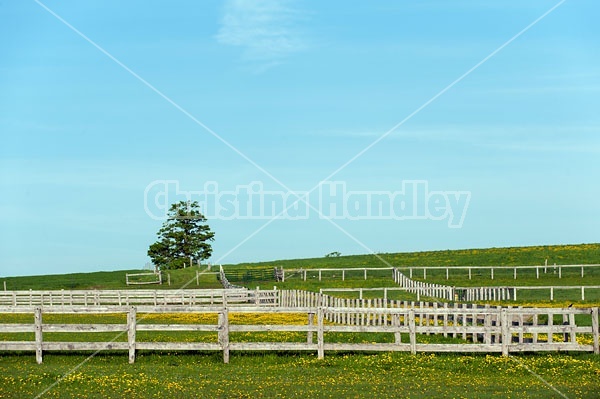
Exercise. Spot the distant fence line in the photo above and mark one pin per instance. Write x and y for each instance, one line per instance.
(224, 281)
(555, 269)
(136, 281)
(192, 297)
(342, 272)
(251, 274)
(420, 288)
(491, 329)
(475, 293)
(471, 294)
(274, 297)
(304, 273)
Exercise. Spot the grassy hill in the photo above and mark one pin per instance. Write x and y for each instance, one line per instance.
(534, 255)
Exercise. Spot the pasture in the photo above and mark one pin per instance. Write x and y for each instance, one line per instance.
(291, 374)
(286, 374)
(345, 375)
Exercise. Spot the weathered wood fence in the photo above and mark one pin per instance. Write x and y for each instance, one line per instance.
(190, 297)
(491, 330)
(490, 293)
(411, 271)
(140, 278)
(539, 270)
(341, 272)
(425, 289)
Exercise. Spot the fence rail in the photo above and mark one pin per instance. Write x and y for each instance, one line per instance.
(491, 330)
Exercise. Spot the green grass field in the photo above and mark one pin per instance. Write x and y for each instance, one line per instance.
(301, 375)
(288, 375)
(283, 374)
(535, 255)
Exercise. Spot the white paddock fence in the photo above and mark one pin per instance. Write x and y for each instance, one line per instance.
(479, 271)
(142, 278)
(138, 297)
(556, 270)
(329, 272)
(497, 330)
(490, 293)
(426, 289)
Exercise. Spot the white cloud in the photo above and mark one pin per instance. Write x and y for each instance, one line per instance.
(266, 30)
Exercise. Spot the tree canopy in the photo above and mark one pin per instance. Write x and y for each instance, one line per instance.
(183, 236)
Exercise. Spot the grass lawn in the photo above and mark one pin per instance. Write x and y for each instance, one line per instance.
(341, 375)
(302, 375)
(279, 374)
(535, 255)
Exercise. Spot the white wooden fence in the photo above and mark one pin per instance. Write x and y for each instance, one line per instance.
(411, 271)
(140, 278)
(191, 297)
(508, 293)
(539, 270)
(425, 289)
(339, 272)
(491, 330)
(490, 293)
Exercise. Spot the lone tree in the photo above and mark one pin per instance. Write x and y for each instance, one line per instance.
(183, 236)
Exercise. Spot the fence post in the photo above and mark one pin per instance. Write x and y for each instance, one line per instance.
(395, 320)
(506, 336)
(311, 322)
(412, 331)
(320, 338)
(487, 323)
(550, 324)
(224, 333)
(595, 330)
(224, 300)
(131, 327)
(38, 334)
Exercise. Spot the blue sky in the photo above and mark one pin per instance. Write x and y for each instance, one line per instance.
(284, 93)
